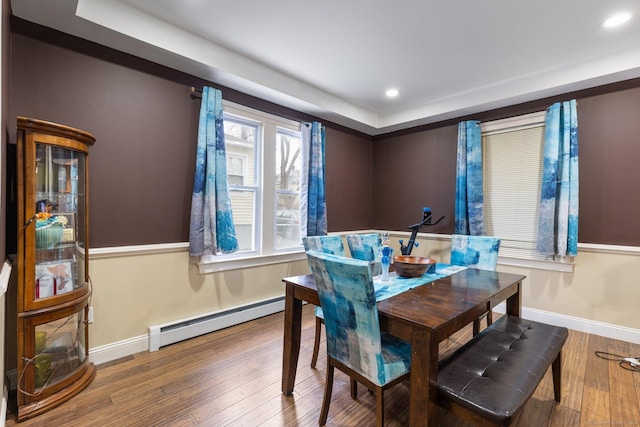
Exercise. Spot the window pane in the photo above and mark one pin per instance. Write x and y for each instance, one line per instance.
(243, 206)
(240, 141)
(288, 220)
(235, 169)
(287, 176)
(288, 161)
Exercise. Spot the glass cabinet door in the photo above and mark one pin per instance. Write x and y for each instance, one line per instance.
(59, 231)
(60, 350)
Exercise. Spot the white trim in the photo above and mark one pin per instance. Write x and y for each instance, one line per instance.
(253, 260)
(5, 274)
(607, 330)
(609, 249)
(119, 251)
(242, 110)
(563, 267)
(3, 406)
(118, 349)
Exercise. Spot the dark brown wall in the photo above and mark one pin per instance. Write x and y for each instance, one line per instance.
(418, 168)
(609, 138)
(145, 124)
(349, 178)
(413, 171)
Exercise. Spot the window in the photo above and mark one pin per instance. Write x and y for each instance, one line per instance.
(513, 155)
(263, 167)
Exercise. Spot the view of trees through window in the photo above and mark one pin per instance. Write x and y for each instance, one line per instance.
(288, 176)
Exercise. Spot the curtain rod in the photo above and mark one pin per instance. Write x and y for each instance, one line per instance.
(195, 93)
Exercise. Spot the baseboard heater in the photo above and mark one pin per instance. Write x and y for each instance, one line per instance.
(173, 332)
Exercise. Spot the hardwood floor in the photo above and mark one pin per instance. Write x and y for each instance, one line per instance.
(232, 377)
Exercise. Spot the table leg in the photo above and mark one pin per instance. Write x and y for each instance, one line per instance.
(292, 331)
(424, 376)
(514, 302)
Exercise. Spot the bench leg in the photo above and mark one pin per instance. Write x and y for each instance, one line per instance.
(556, 367)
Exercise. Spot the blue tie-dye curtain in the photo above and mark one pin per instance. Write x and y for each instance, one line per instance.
(469, 199)
(211, 229)
(313, 204)
(558, 229)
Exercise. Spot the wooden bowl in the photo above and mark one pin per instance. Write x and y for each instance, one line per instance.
(413, 266)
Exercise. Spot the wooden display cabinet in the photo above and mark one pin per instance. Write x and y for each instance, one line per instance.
(52, 265)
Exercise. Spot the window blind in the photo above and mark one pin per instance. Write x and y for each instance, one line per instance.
(512, 171)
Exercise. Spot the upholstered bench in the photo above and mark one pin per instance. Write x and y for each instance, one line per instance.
(489, 379)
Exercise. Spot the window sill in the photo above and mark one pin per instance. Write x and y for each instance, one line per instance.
(217, 264)
(563, 267)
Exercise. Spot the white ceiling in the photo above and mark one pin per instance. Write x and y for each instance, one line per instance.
(335, 58)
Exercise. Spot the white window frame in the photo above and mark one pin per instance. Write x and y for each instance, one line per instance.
(510, 249)
(264, 252)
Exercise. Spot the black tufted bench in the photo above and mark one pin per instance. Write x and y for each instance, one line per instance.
(489, 379)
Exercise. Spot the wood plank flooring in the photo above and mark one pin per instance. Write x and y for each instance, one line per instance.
(232, 378)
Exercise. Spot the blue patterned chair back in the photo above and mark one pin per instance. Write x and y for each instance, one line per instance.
(364, 246)
(475, 251)
(325, 244)
(348, 300)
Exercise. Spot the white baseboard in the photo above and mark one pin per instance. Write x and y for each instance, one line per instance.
(578, 324)
(116, 350)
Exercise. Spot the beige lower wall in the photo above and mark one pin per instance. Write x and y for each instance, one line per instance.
(133, 292)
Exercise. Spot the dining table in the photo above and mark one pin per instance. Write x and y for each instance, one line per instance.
(422, 311)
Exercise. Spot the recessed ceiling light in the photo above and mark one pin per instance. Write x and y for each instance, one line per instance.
(392, 93)
(616, 20)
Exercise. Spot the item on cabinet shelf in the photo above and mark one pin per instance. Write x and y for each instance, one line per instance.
(69, 231)
(42, 364)
(62, 179)
(413, 266)
(53, 278)
(49, 236)
(41, 341)
(49, 230)
(44, 205)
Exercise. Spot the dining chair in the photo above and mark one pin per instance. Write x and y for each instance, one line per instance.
(477, 252)
(365, 247)
(329, 245)
(355, 343)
